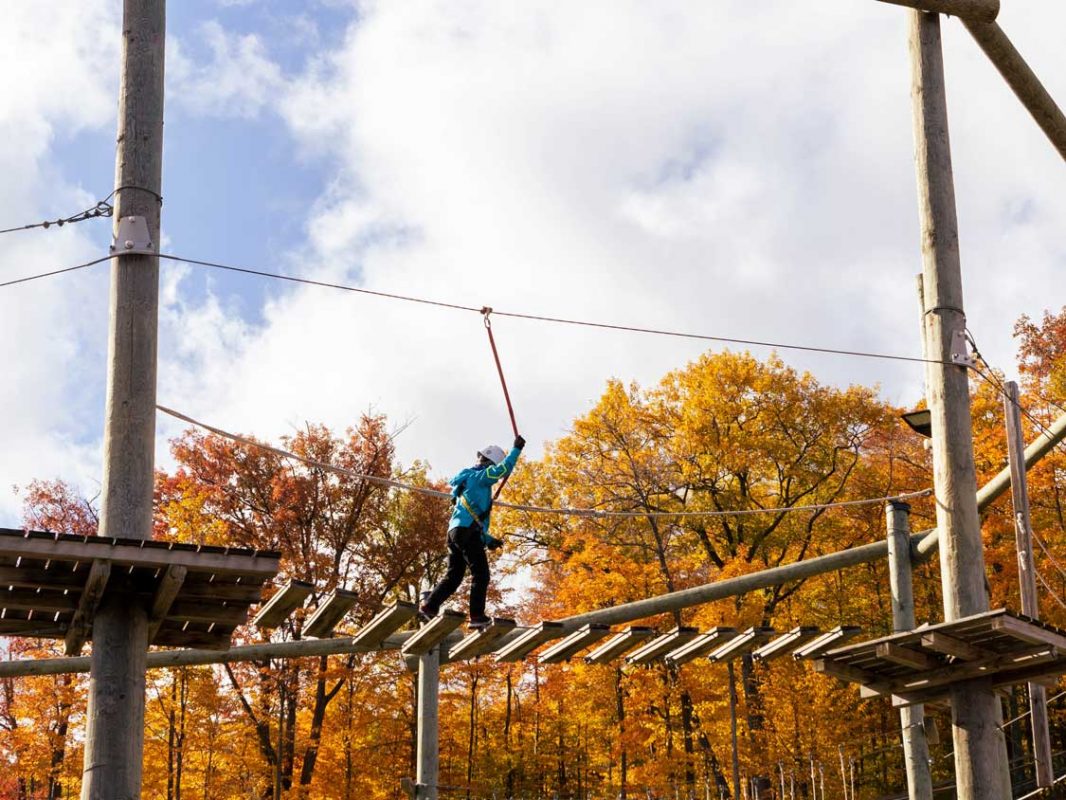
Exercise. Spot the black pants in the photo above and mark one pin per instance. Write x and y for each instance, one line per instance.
(465, 549)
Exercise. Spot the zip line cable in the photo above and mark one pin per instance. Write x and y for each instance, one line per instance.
(555, 320)
(565, 512)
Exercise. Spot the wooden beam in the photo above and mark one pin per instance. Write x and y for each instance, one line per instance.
(1028, 632)
(328, 615)
(195, 611)
(132, 555)
(981, 10)
(844, 672)
(964, 671)
(91, 595)
(33, 600)
(165, 591)
(907, 656)
(1021, 79)
(284, 601)
(393, 617)
(33, 578)
(528, 641)
(483, 641)
(952, 646)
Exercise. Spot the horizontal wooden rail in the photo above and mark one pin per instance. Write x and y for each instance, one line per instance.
(982, 10)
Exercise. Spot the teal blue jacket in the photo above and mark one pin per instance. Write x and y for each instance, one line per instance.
(472, 491)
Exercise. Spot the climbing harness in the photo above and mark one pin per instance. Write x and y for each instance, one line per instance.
(486, 312)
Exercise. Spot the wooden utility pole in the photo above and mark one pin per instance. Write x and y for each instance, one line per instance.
(911, 718)
(981, 768)
(1023, 537)
(428, 725)
(114, 741)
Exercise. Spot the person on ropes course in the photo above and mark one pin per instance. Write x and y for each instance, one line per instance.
(468, 532)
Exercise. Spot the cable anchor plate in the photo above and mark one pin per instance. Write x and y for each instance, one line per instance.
(132, 238)
(960, 350)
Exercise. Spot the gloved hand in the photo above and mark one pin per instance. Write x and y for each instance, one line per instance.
(493, 543)
(519, 442)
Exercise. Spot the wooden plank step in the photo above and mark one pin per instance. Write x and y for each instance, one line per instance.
(529, 641)
(702, 645)
(621, 642)
(432, 633)
(482, 641)
(278, 608)
(741, 644)
(576, 641)
(389, 620)
(661, 645)
(828, 640)
(785, 643)
(328, 615)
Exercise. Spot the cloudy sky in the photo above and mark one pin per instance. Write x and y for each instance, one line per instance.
(730, 168)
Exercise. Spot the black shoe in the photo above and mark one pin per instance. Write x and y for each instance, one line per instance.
(479, 623)
(424, 614)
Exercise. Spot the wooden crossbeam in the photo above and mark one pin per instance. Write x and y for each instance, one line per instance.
(785, 642)
(165, 592)
(979, 10)
(81, 624)
(828, 640)
(741, 644)
(1028, 632)
(843, 671)
(529, 641)
(286, 600)
(393, 617)
(701, 645)
(32, 600)
(328, 615)
(33, 578)
(575, 642)
(482, 641)
(661, 645)
(432, 633)
(962, 671)
(620, 643)
(954, 647)
(907, 656)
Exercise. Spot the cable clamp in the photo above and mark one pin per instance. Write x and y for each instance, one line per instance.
(486, 311)
(960, 350)
(132, 238)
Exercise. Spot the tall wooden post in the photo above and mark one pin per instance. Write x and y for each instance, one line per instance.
(981, 767)
(428, 775)
(114, 740)
(911, 718)
(1023, 537)
(733, 728)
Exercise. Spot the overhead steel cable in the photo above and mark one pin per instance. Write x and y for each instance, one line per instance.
(29, 278)
(550, 319)
(102, 208)
(566, 512)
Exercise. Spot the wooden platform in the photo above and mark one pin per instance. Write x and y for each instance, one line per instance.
(51, 585)
(922, 665)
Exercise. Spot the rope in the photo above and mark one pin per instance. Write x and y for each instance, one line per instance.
(486, 311)
(555, 320)
(565, 512)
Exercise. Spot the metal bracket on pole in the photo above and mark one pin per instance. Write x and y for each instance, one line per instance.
(132, 238)
(960, 350)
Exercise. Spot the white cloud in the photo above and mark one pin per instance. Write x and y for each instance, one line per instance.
(237, 81)
(730, 168)
(56, 78)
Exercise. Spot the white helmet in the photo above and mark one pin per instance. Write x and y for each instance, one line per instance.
(493, 453)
